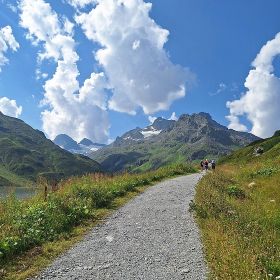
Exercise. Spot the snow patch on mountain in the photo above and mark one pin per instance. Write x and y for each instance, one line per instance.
(85, 147)
(150, 131)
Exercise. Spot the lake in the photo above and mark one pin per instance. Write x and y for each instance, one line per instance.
(20, 192)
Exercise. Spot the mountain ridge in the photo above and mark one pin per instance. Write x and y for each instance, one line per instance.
(84, 147)
(26, 153)
(191, 137)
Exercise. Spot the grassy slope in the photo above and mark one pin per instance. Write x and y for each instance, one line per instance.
(25, 152)
(33, 225)
(7, 178)
(239, 216)
(145, 157)
(192, 138)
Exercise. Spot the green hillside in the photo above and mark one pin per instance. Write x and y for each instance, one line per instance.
(7, 178)
(237, 209)
(26, 153)
(268, 150)
(192, 137)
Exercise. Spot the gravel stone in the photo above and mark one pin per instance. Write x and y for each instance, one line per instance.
(152, 237)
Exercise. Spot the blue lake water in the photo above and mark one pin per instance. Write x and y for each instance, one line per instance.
(19, 192)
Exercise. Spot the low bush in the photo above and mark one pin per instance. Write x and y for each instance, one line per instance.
(198, 210)
(235, 191)
(265, 172)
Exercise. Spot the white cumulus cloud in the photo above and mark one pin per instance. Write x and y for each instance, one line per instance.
(151, 119)
(137, 69)
(9, 107)
(7, 41)
(260, 104)
(133, 57)
(173, 117)
(235, 123)
(12, 7)
(79, 111)
(80, 3)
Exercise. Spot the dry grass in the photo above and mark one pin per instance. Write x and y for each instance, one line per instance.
(239, 217)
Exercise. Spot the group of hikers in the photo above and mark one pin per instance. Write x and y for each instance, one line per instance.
(205, 165)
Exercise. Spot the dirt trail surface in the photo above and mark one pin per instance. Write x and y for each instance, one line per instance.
(151, 237)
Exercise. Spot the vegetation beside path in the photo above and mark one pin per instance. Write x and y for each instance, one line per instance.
(34, 231)
(238, 212)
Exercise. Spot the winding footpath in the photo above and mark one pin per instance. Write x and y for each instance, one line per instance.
(152, 237)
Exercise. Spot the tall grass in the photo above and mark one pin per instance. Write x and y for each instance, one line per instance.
(239, 216)
(29, 223)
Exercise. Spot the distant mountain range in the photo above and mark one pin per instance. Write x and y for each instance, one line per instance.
(192, 137)
(84, 147)
(25, 154)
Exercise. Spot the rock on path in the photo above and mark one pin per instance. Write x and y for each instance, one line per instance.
(151, 237)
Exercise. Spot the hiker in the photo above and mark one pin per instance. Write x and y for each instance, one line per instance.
(206, 164)
(213, 164)
(202, 165)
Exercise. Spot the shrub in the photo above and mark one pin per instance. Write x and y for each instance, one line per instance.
(199, 210)
(266, 172)
(272, 267)
(235, 191)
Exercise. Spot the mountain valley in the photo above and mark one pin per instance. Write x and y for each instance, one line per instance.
(190, 138)
(26, 154)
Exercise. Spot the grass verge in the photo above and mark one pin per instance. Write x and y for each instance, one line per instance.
(33, 232)
(237, 209)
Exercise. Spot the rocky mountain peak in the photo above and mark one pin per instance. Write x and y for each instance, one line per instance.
(192, 137)
(204, 115)
(66, 142)
(162, 124)
(86, 142)
(277, 133)
(184, 117)
(197, 116)
(84, 147)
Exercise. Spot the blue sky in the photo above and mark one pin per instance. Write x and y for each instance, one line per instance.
(217, 40)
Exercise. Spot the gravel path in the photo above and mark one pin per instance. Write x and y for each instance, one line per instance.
(151, 237)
